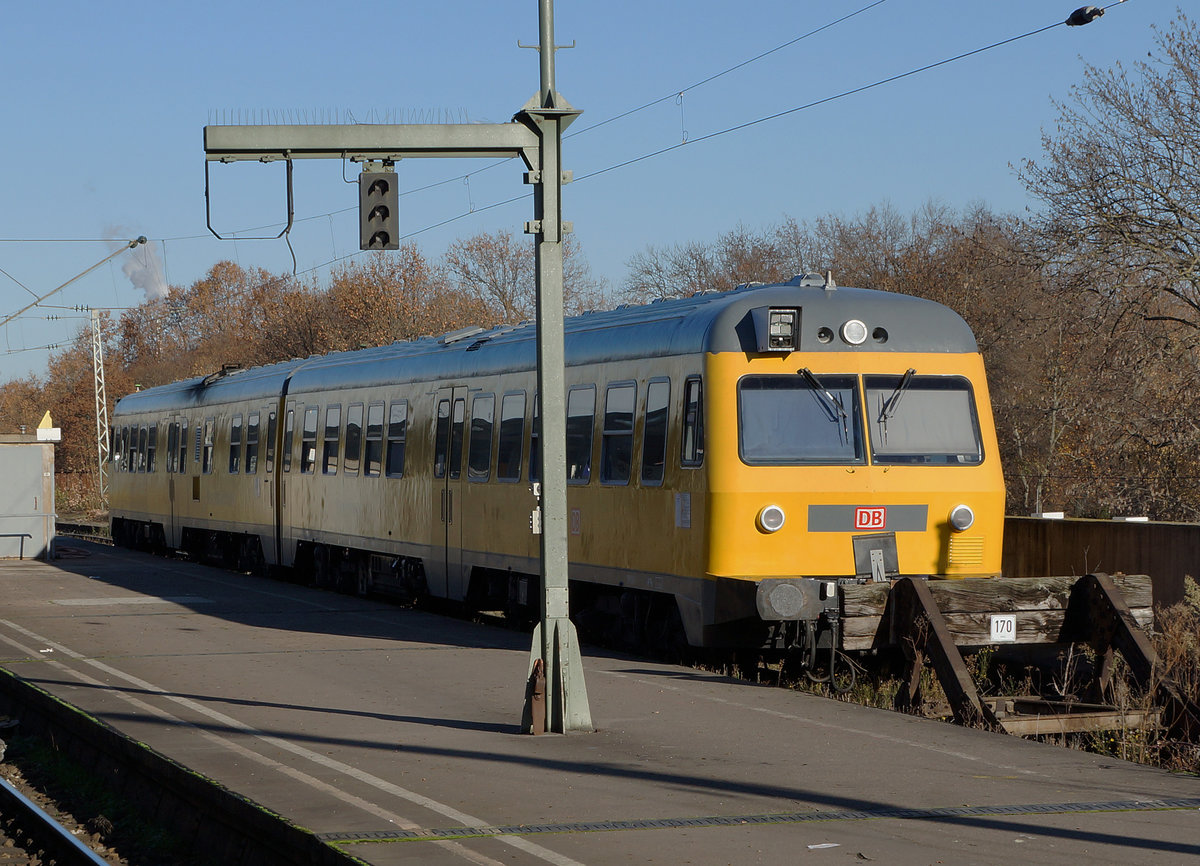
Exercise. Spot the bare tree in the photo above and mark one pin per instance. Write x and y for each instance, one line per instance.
(1120, 179)
(499, 270)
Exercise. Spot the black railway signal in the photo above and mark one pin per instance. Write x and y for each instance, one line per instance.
(378, 211)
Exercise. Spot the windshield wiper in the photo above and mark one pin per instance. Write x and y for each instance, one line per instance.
(831, 404)
(889, 407)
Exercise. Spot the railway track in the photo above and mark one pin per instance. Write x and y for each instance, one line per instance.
(30, 835)
(208, 821)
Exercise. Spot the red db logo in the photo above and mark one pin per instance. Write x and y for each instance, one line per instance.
(873, 517)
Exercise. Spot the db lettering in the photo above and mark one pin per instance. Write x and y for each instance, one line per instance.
(870, 518)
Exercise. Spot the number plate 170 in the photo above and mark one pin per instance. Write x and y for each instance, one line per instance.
(1004, 628)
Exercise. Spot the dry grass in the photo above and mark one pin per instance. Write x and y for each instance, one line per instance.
(77, 494)
(1176, 640)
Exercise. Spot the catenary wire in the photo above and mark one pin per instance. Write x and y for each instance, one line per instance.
(665, 150)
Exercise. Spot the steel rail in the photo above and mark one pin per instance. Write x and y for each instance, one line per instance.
(44, 830)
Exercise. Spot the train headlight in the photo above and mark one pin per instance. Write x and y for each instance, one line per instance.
(777, 329)
(854, 332)
(962, 517)
(771, 518)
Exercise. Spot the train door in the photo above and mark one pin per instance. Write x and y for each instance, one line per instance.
(285, 534)
(450, 421)
(172, 470)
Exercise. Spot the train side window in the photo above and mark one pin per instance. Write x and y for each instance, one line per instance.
(126, 450)
(581, 417)
(616, 437)
(456, 436)
(397, 433)
(289, 432)
(151, 447)
(332, 441)
(183, 445)
(141, 450)
(252, 424)
(512, 435)
(235, 444)
(479, 448)
(373, 459)
(206, 456)
(172, 446)
(441, 439)
(308, 441)
(354, 420)
(654, 432)
(692, 451)
(272, 423)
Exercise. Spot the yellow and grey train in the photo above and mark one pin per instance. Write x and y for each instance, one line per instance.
(732, 457)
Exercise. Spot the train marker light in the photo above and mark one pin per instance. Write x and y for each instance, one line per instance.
(962, 517)
(771, 519)
(777, 329)
(378, 210)
(854, 332)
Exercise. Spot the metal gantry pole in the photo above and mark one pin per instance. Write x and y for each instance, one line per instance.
(555, 642)
(102, 446)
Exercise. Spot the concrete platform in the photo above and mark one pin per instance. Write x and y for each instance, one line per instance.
(393, 734)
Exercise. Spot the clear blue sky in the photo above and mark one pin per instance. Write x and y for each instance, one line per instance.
(106, 104)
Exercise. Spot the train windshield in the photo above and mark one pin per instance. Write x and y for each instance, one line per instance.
(788, 420)
(922, 419)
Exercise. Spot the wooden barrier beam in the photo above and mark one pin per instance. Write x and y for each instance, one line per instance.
(1039, 605)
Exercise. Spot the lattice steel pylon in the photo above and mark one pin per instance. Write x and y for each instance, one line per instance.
(102, 446)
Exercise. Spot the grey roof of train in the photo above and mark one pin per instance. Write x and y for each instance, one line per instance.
(708, 322)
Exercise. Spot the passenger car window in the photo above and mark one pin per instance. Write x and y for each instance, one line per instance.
(252, 424)
(206, 456)
(332, 440)
(397, 432)
(289, 431)
(151, 447)
(373, 459)
(308, 441)
(654, 431)
(581, 416)
(692, 450)
(479, 447)
(354, 419)
(235, 444)
(616, 442)
(512, 434)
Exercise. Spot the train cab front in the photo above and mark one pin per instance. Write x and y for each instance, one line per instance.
(861, 457)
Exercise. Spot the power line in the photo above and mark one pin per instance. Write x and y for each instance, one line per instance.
(128, 246)
(728, 130)
(736, 128)
(676, 93)
(50, 346)
(672, 95)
